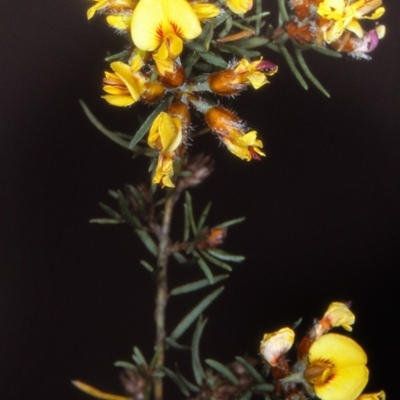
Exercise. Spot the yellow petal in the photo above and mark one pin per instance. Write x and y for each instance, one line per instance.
(274, 345)
(373, 396)
(349, 375)
(97, 393)
(92, 10)
(164, 171)
(240, 6)
(121, 22)
(205, 10)
(356, 28)
(133, 81)
(119, 101)
(152, 19)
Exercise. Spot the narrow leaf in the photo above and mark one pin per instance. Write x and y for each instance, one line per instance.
(191, 287)
(246, 396)
(106, 221)
(187, 383)
(189, 206)
(198, 370)
(185, 323)
(203, 216)
(126, 365)
(309, 74)
(176, 380)
(292, 66)
(251, 370)
(147, 123)
(231, 222)
(110, 211)
(282, 10)
(214, 60)
(114, 136)
(222, 255)
(175, 345)
(180, 258)
(226, 372)
(139, 356)
(264, 387)
(204, 267)
(146, 265)
(215, 261)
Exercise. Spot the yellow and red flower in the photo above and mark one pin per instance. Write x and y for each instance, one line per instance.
(337, 368)
(161, 26)
(230, 129)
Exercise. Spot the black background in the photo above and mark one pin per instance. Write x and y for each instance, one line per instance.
(322, 209)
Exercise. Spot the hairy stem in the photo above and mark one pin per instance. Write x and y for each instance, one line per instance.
(162, 292)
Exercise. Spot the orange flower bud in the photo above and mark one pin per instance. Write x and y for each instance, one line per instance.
(175, 78)
(153, 92)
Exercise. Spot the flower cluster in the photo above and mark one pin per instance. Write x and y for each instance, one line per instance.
(336, 23)
(152, 71)
(329, 365)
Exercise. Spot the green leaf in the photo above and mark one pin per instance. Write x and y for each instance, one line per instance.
(176, 380)
(215, 261)
(198, 371)
(203, 216)
(197, 47)
(189, 211)
(226, 372)
(309, 74)
(126, 365)
(253, 42)
(138, 357)
(185, 323)
(175, 345)
(186, 382)
(247, 395)
(106, 221)
(264, 387)
(180, 258)
(114, 136)
(292, 66)
(147, 123)
(204, 267)
(282, 10)
(297, 323)
(136, 225)
(191, 287)
(110, 211)
(214, 59)
(146, 265)
(251, 370)
(231, 222)
(222, 255)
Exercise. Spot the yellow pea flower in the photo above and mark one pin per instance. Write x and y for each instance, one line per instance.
(205, 10)
(344, 14)
(337, 368)
(229, 129)
(112, 7)
(165, 136)
(163, 25)
(239, 6)
(275, 345)
(373, 396)
(124, 86)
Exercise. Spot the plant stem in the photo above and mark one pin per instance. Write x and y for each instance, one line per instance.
(162, 291)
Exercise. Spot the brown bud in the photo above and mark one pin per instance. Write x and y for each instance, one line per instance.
(174, 79)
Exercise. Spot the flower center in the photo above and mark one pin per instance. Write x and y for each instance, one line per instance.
(319, 372)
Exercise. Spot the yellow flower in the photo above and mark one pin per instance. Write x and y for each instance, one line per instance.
(373, 396)
(163, 25)
(205, 10)
(165, 136)
(239, 6)
(336, 369)
(112, 7)
(124, 86)
(97, 393)
(276, 344)
(344, 14)
(337, 314)
(229, 129)
(235, 79)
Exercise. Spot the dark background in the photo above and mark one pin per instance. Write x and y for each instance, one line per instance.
(322, 210)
